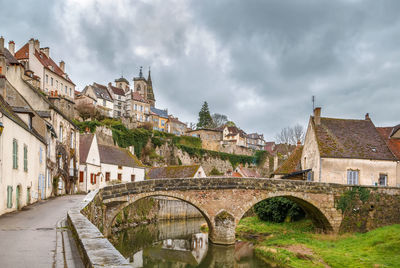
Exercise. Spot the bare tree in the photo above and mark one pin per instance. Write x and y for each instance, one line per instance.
(290, 135)
(219, 120)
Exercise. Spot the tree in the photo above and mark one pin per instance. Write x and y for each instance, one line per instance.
(219, 120)
(230, 124)
(290, 135)
(278, 209)
(205, 119)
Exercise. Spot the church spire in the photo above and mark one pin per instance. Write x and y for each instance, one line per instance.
(140, 72)
(149, 77)
(150, 92)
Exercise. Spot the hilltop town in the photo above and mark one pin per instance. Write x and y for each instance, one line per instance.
(64, 141)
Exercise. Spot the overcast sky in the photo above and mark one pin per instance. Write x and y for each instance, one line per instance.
(258, 62)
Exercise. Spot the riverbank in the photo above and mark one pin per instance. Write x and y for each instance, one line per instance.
(296, 245)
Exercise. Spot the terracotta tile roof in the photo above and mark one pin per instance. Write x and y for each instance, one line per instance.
(173, 172)
(292, 164)
(347, 138)
(101, 92)
(47, 62)
(236, 175)
(137, 97)
(393, 143)
(233, 131)
(117, 91)
(85, 140)
(23, 52)
(117, 156)
(248, 173)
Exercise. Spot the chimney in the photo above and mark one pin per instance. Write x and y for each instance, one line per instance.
(367, 116)
(46, 51)
(317, 116)
(11, 47)
(2, 58)
(298, 143)
(62, 66)
(1, 45)
(37, 44)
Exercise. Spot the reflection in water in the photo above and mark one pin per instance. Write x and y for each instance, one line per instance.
(180, 244)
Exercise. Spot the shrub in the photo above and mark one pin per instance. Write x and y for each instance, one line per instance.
(278, 209)
(215, 172)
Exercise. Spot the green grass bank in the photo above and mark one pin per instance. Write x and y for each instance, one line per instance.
(296, 244)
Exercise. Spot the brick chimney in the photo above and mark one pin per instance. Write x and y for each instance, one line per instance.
(367, 116)
(317, 116)
(62, 66)
(46, 51)
(11, 47)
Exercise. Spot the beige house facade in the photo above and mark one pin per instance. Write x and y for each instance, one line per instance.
(347, 151)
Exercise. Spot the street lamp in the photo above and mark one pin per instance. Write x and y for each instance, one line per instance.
(1, 128)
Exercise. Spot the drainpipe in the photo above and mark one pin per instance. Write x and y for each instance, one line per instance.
(320, 168)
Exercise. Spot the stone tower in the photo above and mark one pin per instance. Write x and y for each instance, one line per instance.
(144, 87)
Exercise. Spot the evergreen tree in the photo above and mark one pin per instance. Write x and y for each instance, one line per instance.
(205, 119)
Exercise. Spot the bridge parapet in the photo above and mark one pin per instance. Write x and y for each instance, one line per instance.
(223, 201)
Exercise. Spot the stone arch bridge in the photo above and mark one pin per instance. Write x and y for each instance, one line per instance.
(223, 201)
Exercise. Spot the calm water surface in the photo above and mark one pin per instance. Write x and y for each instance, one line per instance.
(181, 244)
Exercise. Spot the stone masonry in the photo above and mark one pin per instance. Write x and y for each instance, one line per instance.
(223, 201)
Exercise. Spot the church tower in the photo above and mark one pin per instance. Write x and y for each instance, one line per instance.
(150, 93)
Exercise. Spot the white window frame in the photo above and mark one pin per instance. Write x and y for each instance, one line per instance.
(353, 177)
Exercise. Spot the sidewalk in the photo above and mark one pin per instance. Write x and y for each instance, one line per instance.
(37, 236)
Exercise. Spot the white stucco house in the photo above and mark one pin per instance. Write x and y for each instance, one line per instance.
(22, 161)
(102, 164)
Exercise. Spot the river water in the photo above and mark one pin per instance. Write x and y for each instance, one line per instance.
(180, 244)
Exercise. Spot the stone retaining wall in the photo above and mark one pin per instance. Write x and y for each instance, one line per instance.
(94, 248)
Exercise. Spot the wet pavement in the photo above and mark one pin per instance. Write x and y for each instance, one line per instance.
(37, 236)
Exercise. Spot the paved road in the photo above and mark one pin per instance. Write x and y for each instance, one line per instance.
(36, 236)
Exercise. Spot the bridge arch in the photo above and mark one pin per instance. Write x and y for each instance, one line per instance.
(112, 212)
(318, 215)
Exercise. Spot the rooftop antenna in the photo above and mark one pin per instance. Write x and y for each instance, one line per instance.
(313, 102)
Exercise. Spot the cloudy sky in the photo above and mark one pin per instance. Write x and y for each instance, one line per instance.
(258, 62)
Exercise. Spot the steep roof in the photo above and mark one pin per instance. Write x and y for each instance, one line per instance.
(47, 62)
(117, 91)
(101, 92)
(10, 59)
(7, 110)
(292, 164)
(233, 131)
(348, 138)
(248, 173)
(393, 143)
(117, 156)
(159, 112)
(85, 140)
(173, 172)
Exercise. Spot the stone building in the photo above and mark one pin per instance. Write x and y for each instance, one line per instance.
(104, 101)
(347, 151)
(138, 107)
(255, 141)
(144, 87)
(23, 91)
(54, 81)
(118, 95)
(234, 135)
(175, 126)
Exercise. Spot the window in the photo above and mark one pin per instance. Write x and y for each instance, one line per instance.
(65, 89)
(70, 92)
(47, 79)
(104, 102)
(61, 87)
(40, 155)
(119, 167)
(92, 178)
(310, 176)
(26, 158)
(352, 177)
(15, 154)
(162, 123)
(61, 133)
(135, 107)
(133, 177)
(382, 180)
(119, 176)
(107, 176)
(80, 176)
(57, 84)
(51, 81)
(141, 108)
(9, 196)
(72, 140)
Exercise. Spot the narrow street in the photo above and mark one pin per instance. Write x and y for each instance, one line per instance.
(37, 237)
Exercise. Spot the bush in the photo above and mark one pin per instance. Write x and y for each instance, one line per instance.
(278, 209)
(215, 172)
